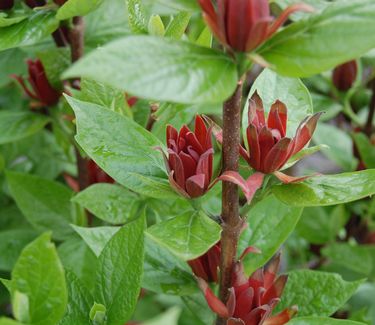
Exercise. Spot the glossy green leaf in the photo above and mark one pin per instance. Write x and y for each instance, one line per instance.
(118, 286)
(11, 244)
(328, 189)
(79, 303)
(178, 25)
(72, 8)
(161, 69)
(315, 45)
(353, 257)
(366, 149)
(166, 273)
(122, 148)
(29, 31)
(188, 235)
(316, 293)
(321, 321)
(18, 125)
(291, 91)
(111, 203)
(11, 19)
(45, 204)
(8, 321)
(39, 277)
(136, 16)
(270, 224)
(340, 145)
(96, 237)
(197, 305)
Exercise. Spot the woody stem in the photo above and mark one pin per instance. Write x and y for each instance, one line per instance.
(370, 118)
(232, 221)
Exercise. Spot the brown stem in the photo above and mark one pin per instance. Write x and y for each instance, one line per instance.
(368, 126)
(232, 222)
(152, 119)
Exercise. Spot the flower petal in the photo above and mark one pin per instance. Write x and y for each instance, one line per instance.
(271, 270)
(195, 185)
(253, 141)
(286, 179)
(171, 134)
(256, 111)
(200, 130)
(275, 290)
(304, 132)
(244, 303)
(266, 142)
(278, 156)
(278, 117)
(282, 318)
(175, 164)
(216, 305)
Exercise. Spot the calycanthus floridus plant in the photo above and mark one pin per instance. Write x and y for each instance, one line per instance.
(162, 163)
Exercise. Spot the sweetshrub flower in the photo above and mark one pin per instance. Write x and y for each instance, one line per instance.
(41, 89)
(6, 4)
(251, 300)
(190, 159)
(243, 25)
(344, 75)
(35, 3)
(206, 266)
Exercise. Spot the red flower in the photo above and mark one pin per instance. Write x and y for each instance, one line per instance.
(344, 75)
(6, 4)
(269, 146)
(35, 3)
(243, 25)
(190, 159)
(206, 266)
(42, 91)
(251, 300)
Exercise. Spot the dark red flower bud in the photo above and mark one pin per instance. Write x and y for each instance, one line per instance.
(206, 266)
(35, 3)
(269, 148)
(41, 91)
(6, 4)
(243, 25)
(251, 300)
(345, 75)
(190, 159)
(96, 174)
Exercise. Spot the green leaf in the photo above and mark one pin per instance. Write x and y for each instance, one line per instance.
(169, 317)
(111, 203)
(72, 8)
(366, 149)
(328, 105)
(11, 19)
(29, 31)
(118, 286)
(79, 303)
(11, 62)
(197, 305)
(181, 4)
(178, 25)
(270, 224)
(11, 244)
(77, 257)
(319, 226)
(188, 235)
(321, 321)
(161, 69)
(8, 321)
(328, 190)
(122, 148)
(136, 16)
(166, 273)
(302, 154)
(316, 293)
(291, 91)
(96, 237)
(103, 95)
(39, 276)
(45, 204)
(340, 145)
(15, 126)
(315, 45)
(156, 26)
(355, 258)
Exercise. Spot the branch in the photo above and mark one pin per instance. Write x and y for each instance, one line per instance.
(232, 222)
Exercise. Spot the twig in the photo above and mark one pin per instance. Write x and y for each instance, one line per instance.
(232, 222)
(152, 119)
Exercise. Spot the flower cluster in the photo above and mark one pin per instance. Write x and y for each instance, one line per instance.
(251, 300)
(41, 89)
(243, 25)
(190, 159)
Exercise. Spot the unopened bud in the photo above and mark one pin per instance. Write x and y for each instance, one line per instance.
(156, 26)
(345, 75)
